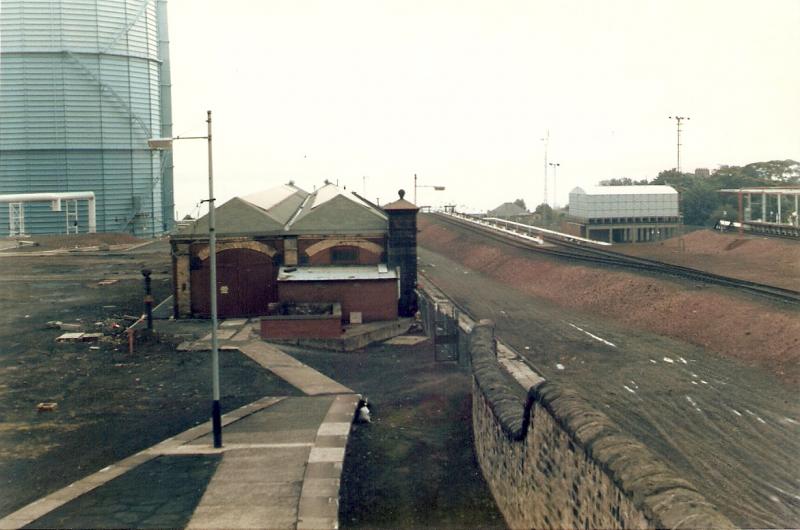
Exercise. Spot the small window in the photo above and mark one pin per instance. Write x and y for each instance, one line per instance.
(344, 255)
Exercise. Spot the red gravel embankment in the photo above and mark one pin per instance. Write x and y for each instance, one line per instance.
(758, 333)
(756, 258)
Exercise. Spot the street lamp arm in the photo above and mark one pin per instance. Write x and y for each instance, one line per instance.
(166, 144)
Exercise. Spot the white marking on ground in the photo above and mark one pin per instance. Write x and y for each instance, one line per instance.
(737, 412)
(759, 419)
(668, 360)
(704, 381)
(776, 488)
(790, 420)
(694, 382)
(560, 366)
(694, 375)
(683, 360)
(653, 361)
(693, 403)
(629, 389)
(595, 337)
(634, 385)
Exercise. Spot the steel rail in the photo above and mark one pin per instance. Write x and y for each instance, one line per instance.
(571, 251)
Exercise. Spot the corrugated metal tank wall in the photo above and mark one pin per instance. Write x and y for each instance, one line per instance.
(80, 94)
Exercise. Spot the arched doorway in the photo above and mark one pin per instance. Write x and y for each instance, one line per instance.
(246, 284)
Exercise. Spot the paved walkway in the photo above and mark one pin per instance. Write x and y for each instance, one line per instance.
(279, 466)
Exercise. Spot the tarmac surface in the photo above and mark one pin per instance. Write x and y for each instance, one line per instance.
(279, 466)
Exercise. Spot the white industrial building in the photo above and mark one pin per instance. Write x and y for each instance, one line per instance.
(623, 214)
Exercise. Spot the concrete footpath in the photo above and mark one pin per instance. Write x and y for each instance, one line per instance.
(279, 466)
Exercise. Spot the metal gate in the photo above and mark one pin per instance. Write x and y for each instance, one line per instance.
(445, 332)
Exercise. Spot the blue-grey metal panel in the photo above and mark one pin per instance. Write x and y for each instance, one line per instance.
(79, 97)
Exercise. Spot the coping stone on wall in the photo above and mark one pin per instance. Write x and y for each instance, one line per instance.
(504, 396)
(667, 500)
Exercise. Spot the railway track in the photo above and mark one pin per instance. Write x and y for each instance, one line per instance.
(565, 247)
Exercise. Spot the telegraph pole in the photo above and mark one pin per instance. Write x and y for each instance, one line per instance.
(678, 120)
(554, 165)
(546, 141)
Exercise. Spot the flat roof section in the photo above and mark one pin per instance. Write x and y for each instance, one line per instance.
(649, 189)
(334, 273)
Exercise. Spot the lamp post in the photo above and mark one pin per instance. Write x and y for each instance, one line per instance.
(166, 143)
(436, 188)
(554, 165)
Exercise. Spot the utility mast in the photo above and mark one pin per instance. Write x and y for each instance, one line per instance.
(546, 141)
(678, 120)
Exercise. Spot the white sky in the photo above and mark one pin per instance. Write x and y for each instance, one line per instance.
(461, 93)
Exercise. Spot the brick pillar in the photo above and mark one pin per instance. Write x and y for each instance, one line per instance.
(181, 281)
(402, 251)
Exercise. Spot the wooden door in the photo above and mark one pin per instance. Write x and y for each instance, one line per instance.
(246, 284)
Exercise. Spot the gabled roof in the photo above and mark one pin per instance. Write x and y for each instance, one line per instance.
(507, 209)
(287, 209)
(329, 209)
(235, 217)
(649, 189)
(280, 203)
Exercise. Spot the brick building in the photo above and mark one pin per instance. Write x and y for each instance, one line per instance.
(286, 245)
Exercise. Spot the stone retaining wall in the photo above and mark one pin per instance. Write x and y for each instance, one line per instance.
(553, 461)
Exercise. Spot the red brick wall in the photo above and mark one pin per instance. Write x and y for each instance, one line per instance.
(301, 328)
(365, 257)
(376, 299)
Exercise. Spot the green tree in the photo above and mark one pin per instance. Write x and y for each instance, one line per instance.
(624, 181)
(774, 171)
(545, 211)
(521, 204)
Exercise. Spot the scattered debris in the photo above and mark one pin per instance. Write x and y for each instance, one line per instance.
(46, 406)
(69, 337)
(57, 324)
(668, 360)
(107, 282)
(94, 347)
(79, 337)
(560, 366)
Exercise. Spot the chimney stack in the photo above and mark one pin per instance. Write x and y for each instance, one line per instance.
(402, 251)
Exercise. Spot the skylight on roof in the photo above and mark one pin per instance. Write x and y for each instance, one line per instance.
(268, 198)
(324, 194)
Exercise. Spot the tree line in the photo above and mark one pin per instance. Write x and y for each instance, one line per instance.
(701, 201)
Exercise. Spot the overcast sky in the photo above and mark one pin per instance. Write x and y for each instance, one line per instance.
(462, 92)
